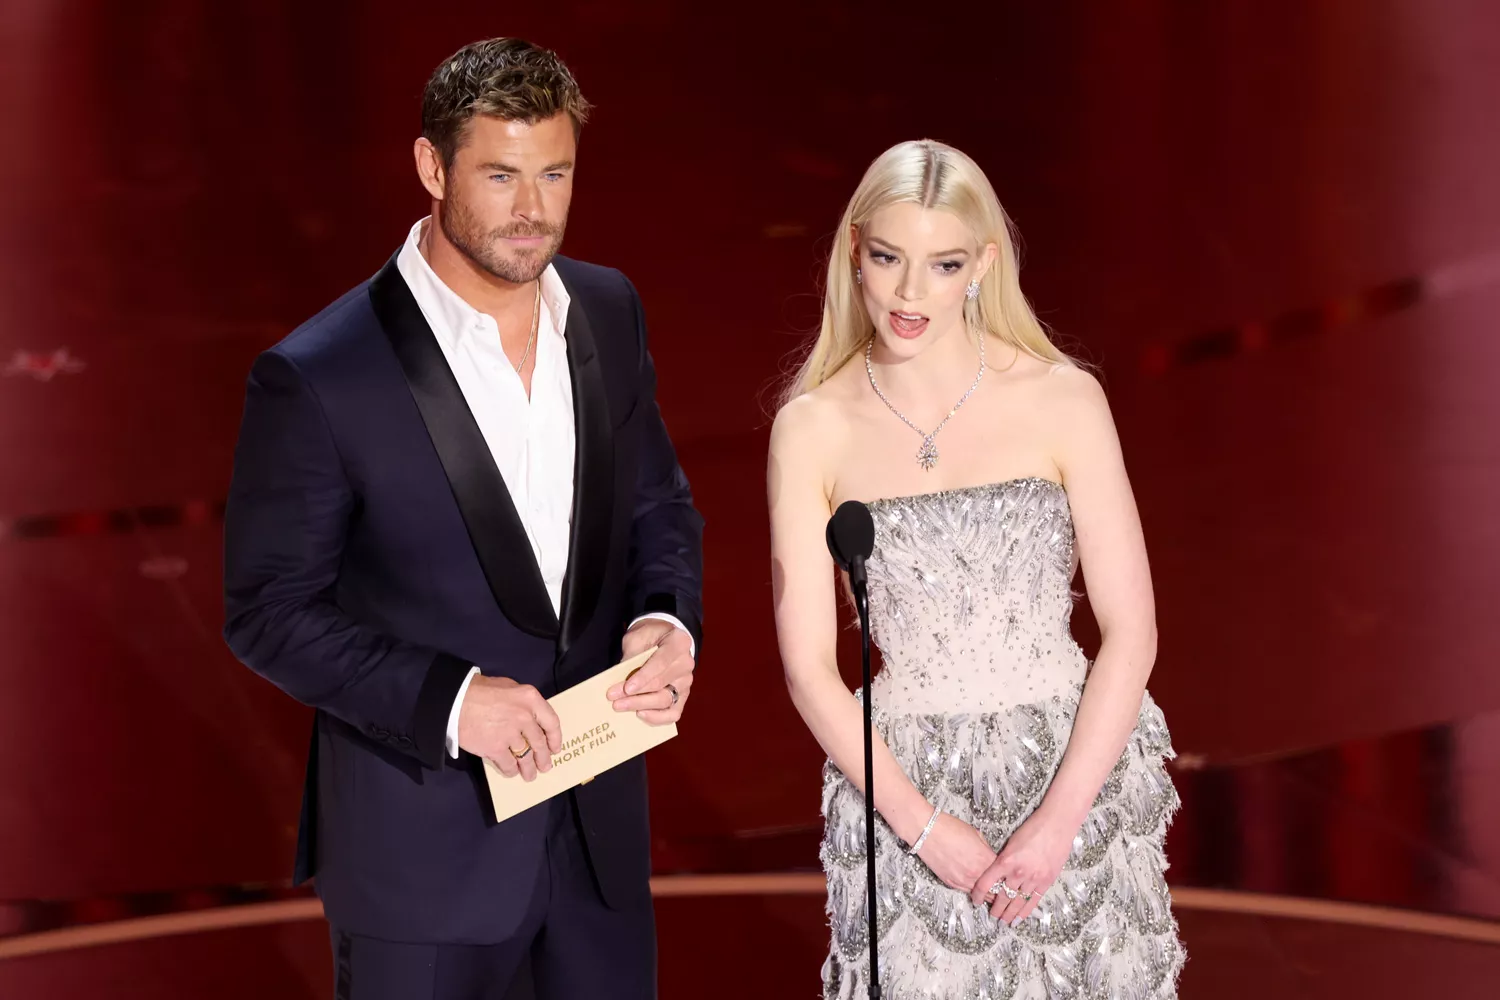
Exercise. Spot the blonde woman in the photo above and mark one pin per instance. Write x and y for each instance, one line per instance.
(1021, 791)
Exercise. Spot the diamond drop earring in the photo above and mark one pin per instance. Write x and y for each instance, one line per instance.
(971, 291)
(859, 276)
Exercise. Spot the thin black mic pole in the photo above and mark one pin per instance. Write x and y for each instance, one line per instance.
(862, 605)
(851, 540)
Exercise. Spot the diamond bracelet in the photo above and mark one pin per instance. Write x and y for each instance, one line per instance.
(926, 830)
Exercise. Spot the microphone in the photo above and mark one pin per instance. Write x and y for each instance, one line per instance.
(851, 540)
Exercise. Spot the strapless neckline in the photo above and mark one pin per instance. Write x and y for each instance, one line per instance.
(959, 490)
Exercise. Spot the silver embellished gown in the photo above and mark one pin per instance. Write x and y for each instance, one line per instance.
(970, 598)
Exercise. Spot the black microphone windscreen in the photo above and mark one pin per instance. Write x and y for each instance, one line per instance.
(833, 547)
(851, 533)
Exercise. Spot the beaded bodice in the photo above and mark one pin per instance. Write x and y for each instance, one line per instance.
(970, 598)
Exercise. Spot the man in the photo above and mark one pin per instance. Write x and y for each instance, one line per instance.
(453, 497)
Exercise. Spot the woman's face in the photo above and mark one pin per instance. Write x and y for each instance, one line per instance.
(914, 264)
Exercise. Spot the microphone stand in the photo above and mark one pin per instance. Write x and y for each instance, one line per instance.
(857, 583)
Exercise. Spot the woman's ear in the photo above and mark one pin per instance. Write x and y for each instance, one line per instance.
(986, 260)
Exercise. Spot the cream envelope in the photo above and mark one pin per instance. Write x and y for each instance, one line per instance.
(595, 739)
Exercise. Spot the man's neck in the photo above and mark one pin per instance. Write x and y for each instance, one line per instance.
(482, 290)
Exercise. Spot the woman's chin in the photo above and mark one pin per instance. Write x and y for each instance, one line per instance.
(896, 345)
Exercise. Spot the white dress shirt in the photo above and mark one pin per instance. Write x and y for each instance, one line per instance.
(532, 440)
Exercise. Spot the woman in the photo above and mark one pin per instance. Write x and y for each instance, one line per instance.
(1021, 792)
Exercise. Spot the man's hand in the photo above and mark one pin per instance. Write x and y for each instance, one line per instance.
(658, 690)
(501, 719)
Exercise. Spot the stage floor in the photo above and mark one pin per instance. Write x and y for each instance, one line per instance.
(751, 948)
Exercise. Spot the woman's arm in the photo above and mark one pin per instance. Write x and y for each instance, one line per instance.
(1112, 550)
(802, 575)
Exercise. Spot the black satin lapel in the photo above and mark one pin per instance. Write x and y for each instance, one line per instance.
(593, 479)
(488, 511)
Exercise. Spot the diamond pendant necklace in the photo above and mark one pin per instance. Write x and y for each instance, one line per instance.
(927, 455)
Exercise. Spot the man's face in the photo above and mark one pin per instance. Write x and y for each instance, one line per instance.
(505, 197)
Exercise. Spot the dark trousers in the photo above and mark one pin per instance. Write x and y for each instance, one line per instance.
(569, 946)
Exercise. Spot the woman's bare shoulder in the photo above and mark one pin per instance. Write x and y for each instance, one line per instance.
(1074, 394)
(1057, 388)
(811, 425)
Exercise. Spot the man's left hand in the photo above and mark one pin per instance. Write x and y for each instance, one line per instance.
(658, 691)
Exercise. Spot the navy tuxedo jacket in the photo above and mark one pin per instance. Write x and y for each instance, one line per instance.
(373, 554)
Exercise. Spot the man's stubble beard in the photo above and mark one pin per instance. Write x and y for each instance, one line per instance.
(463, 231)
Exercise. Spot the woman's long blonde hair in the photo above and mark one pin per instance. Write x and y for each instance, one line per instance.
(932, 175)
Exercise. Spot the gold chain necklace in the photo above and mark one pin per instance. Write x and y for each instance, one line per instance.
(536, 317)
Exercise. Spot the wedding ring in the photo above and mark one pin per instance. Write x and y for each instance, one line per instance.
(674, 693)
(522, 753)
